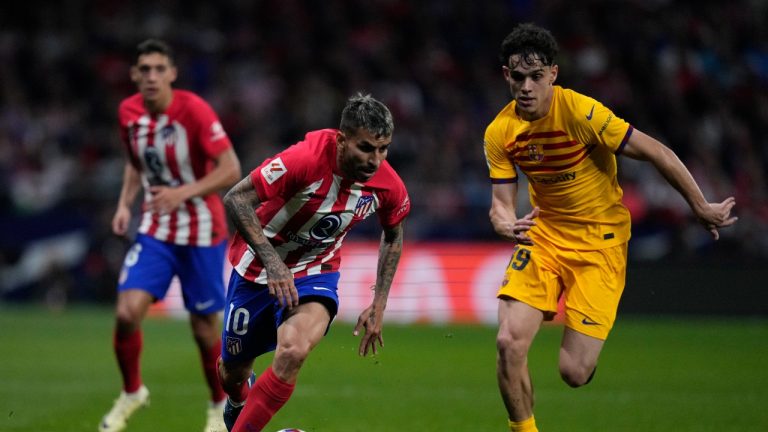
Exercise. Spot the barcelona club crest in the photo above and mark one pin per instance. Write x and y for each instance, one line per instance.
(535, 153)
(234, 346)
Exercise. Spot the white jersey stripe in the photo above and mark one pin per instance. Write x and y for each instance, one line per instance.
(183, 231)
(289, 210)
(163, 232)
(246, 260)
(204, 222)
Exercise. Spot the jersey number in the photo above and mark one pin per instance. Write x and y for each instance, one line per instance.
(519, 259)
(238, 319)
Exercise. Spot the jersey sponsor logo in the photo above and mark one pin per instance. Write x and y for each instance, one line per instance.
(273, 170)
(292, 236)
(234, 345)
(154, 166)
(403, 206)
(605, 125)
(535, 153)
(217, 131)
(325, 227)
(363, 206)
(555, 179)
(592, 111)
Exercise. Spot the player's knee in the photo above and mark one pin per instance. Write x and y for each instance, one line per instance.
(288, 360)
(576, 375)
(127, 319)
(511, 348)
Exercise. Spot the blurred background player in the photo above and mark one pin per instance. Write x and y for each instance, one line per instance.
(292, 214)
(179, 153)
(574, 241)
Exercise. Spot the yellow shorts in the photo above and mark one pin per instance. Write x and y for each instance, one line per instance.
(591, 283)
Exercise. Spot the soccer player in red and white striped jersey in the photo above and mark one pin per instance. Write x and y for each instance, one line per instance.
(292, 214)
(179, 154)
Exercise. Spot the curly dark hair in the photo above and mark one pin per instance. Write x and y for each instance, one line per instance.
(532, 43)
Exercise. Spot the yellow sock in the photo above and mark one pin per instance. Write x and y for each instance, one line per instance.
(527, 425)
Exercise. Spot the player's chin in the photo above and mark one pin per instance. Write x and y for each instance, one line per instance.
(364, 176)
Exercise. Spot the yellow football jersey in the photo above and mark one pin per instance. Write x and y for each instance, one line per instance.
(569, 159)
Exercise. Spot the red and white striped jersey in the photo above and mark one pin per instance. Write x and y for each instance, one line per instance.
(177, 147)
(308, 207)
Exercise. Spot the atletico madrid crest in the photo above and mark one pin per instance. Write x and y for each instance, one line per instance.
(234, 346)
(363, 206)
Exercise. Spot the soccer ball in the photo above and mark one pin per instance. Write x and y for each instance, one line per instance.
(290, 430)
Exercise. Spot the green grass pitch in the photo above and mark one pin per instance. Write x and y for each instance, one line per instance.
(58, 374)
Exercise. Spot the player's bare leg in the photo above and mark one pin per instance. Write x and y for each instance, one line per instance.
(578, 357)
(296, 337)
(518, 325)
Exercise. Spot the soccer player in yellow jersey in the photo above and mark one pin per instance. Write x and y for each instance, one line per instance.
(574, 242)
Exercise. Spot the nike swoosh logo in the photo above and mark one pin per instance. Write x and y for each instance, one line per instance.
(589, 116)
(204, 305)
(587, 321)
(322, 289)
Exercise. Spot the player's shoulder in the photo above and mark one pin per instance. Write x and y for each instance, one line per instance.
(315, 143)
(190, 100)
(132, 106)
(505, 115)
(320, 137)
(304, 155)
(504, 121)
(573, 99)
(386, 178)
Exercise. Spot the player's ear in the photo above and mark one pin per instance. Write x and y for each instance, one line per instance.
(135, 75)
(505, 70)
(340, 139)
(554, 74)
(174, 73)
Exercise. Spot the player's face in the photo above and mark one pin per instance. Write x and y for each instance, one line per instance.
(531, 86)
(360, 155)
(153, 74)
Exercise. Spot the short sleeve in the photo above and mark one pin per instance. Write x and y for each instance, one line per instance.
(396, 205)
(500, 167)
(213, 138)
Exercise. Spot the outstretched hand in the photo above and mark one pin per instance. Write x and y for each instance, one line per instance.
(370, 321)
(521, 227)
(717, 215)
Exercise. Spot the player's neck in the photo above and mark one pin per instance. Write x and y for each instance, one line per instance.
(159, 105)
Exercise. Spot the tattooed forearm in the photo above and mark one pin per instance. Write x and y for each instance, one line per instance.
(390, 249)
(240, 203)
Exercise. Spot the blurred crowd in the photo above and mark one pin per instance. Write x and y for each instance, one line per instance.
(693, 74)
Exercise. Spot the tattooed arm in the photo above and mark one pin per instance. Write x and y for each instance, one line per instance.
(372, 318)
(241, 202)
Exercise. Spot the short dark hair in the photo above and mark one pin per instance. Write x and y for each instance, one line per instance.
(363, 111)
(532, 43)
(150, 46)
